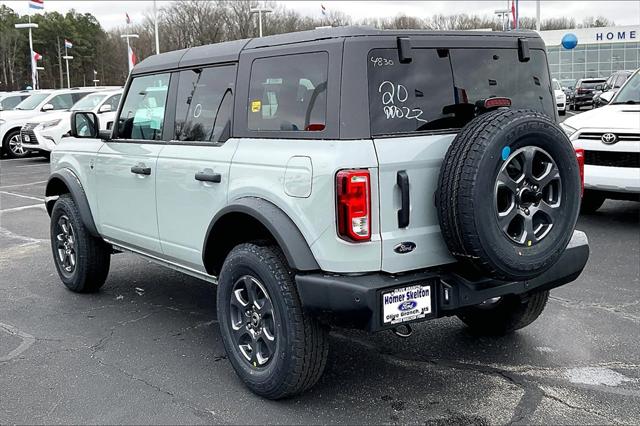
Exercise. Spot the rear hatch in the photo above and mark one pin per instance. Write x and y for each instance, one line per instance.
(588, 88)
(416, 108)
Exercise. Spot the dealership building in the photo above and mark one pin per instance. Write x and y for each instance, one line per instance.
(597, 53)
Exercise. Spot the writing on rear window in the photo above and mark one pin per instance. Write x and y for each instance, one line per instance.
(379, 61)
(393, 98)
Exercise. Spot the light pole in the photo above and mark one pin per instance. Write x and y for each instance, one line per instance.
(260, 11)
(128, 36)
(155, 24)
(95, 82)
(502, 13)
(34, 71)
(67, 58)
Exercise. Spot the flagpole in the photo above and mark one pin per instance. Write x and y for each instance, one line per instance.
(155, 23)
(66, 59)
(34, 71)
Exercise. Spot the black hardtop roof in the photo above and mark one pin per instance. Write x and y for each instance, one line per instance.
(229, 51)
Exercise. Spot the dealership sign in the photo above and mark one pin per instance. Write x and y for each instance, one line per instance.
(581, 36)
(617, 35)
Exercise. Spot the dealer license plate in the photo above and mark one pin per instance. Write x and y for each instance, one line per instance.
(26, 138)
(406, 304)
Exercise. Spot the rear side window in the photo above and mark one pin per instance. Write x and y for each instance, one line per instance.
(288, 93)
(62, 101)
(142, 114)
(438, 89)
(11, 101)
(204, 104)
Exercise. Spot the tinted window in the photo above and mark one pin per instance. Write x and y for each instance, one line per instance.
(12, 101)
(288, 93)
(32, 101)
(114, 101)
(438, 89)
(64, 101)
(79, 95)
(88, 103)
(142, 114)
(204, 104)
(591, 84)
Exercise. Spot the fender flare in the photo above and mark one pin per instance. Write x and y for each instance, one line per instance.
(71, 181)
(293, 244)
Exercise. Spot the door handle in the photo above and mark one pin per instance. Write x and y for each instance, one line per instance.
(402, 179)
(208, 176)
(141, 169)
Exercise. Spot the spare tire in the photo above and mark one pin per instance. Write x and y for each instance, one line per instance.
(508, 194)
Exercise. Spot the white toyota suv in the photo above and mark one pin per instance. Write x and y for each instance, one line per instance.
(43, 133)
(610, 137)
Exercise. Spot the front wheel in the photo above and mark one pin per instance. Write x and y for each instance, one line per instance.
(505, 314)
(81, 259)
(13, 145)
(276, 348)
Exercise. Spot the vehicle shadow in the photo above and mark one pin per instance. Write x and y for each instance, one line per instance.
(614, 213)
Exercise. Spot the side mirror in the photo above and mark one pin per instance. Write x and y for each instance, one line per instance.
(84, 125)
(104, 108)
(47, 107)
(606, 97)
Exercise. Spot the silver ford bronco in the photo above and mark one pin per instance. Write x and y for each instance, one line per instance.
(338, 177)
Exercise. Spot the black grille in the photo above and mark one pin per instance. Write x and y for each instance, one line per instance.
(27, 129)
(612, 159)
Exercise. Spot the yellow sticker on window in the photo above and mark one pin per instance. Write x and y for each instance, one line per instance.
(255, 106)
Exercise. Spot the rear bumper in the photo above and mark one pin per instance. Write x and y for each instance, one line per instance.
(355, 301)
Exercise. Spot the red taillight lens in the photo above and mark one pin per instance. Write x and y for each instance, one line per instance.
(354, 204)
(580, 157)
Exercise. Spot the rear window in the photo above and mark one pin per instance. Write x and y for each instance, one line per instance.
(438, 89)
(590, 84)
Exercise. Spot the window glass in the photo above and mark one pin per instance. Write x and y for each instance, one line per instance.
(32, 101)
(630, 93)
(64, 101)
(79, 95)
(204, 104)
(114, 101)
(620, 80)
(142, 115)
(288, 93)
(439, 89)
(11, 101)
(88, 103)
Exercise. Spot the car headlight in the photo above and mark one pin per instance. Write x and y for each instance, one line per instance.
(568, 129)
(48, 124)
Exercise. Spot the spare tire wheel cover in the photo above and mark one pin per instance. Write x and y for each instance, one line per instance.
(515, 196)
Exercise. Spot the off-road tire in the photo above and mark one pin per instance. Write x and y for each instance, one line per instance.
(465, 194)
(301, 341)
(507, 315)
(92, 254)
(591, 201)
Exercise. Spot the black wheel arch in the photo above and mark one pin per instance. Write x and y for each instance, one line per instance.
(65, 181)
(251, 219)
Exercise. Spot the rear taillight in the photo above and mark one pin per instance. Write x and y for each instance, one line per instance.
(353, 192)
(497, 102)
(580, 157)
(582, 91)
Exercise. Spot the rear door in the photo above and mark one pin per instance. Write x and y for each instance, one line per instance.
(193, 169)
(415, 109)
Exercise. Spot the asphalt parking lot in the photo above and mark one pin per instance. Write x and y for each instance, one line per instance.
(147, 349)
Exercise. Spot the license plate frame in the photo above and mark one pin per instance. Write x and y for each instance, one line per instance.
(424, 304)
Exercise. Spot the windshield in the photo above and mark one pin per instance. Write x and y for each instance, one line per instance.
(88, 103)
(556, 85)
(439, 88)
(630, 92)
(32, 101)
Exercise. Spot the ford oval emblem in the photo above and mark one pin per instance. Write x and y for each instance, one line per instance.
(408, 305)
(405, 247)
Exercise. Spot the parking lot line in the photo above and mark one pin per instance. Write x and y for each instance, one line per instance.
(33, 165)
(17, 209)
(28, 197)
(22, 184)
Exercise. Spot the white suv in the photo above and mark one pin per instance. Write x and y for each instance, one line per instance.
(610, 138)
(43, 133)
(40, 103)
(344, 176)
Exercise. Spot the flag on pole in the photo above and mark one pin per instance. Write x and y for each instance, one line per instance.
(128, 19)
(324, 9)
(514, 13)
(95, 73)
(67, 44)
(132, 58)
(36, 4)
(36, 56)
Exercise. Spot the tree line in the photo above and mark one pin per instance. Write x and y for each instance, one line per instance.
(183, 24)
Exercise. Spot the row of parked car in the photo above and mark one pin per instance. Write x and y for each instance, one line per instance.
(588, 92)
(36, 120)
